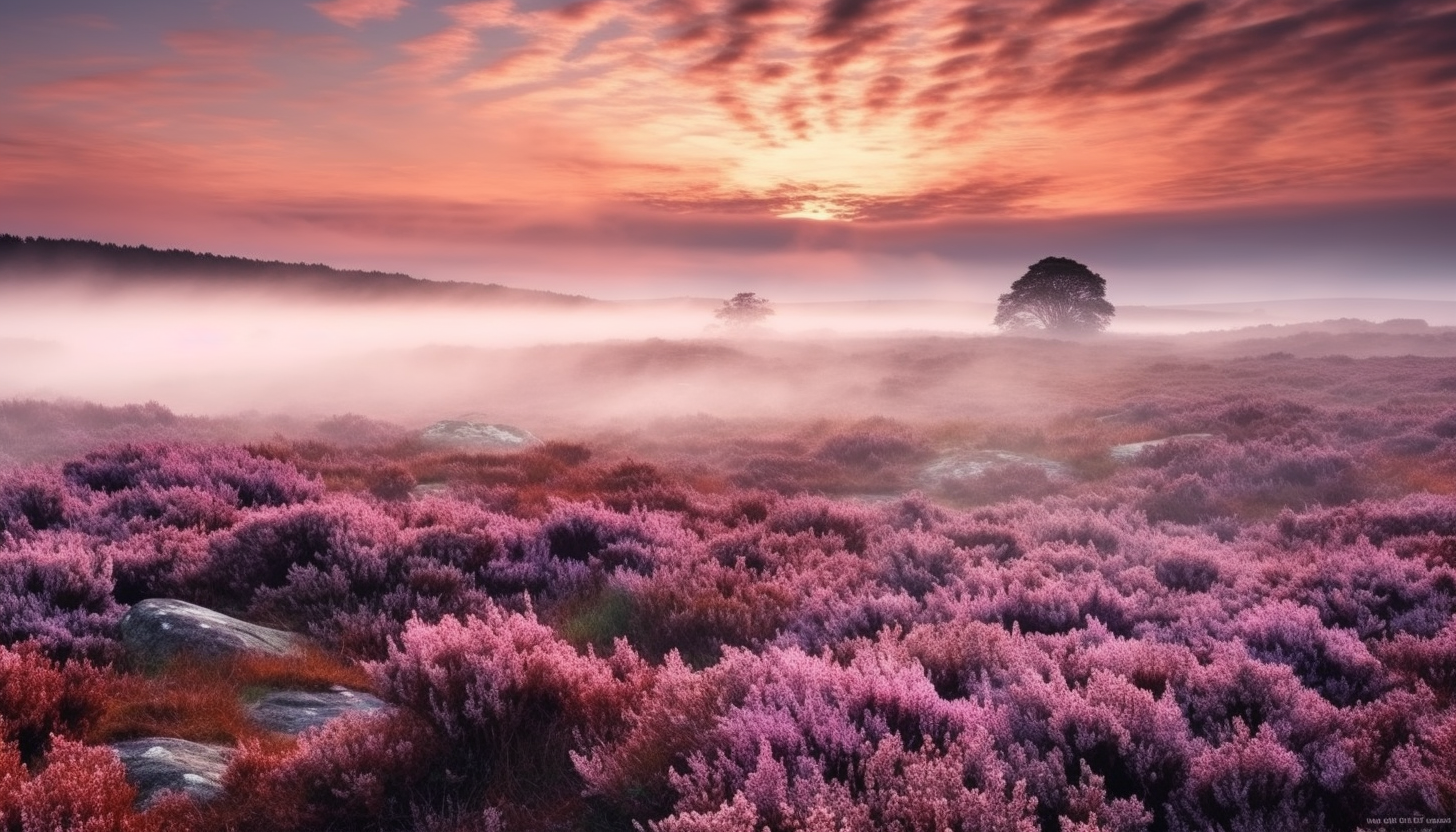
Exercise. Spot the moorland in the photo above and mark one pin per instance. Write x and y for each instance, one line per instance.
(894, 581)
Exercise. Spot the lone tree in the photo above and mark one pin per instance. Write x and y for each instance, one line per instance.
(1058, 295)
(744, 309)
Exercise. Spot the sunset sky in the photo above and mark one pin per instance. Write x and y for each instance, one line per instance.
(1219, 150)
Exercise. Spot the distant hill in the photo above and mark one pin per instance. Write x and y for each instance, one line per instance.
(1434, 312)
(42, 260)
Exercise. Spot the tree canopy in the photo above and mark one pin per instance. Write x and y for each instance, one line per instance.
(1056, 294)
(743, 310)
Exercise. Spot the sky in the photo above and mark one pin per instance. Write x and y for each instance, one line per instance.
(1187, 151)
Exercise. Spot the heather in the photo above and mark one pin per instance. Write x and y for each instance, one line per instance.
(722, 625)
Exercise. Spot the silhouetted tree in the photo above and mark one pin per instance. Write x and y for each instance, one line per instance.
(1058, 295)
(744, 309)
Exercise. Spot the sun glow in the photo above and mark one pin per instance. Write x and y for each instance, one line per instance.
(819, 211)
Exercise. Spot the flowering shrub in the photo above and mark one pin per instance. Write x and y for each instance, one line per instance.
(40, 698)
(30, 501)
(480, 680)
(226, 471)
(57, 591)
(361, 771)
(77, 788)
(871, 445)
(1250, 630)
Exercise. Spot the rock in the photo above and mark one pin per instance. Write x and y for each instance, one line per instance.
(970, 464)
(1124, 453)
(295, 711)
(478, 435)
(426, 489)
(158, 630)
(156, 765)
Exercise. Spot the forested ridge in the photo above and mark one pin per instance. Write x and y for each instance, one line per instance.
(38, 259)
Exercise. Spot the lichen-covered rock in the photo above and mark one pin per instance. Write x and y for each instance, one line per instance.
(157, 630)
(466, 432)
(293, 711)
(156, 765)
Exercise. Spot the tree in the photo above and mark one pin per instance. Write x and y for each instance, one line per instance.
(1058, 295)
(744, 309)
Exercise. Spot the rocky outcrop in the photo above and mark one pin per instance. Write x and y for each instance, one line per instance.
(966, 465)
(157, 765)
(1125, 453)
(157, 630)
(475, 434)
(293, 712)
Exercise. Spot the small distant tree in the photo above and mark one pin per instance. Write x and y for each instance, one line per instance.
(1058, 295)
(744, 309)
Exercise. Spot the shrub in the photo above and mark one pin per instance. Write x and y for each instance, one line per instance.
(504, 692)
(1187, 570)
(40, 698)
(393, 482)
(1248, 782)
(250, 481)
(1222, 634)
(871, 445)
(32, 500)
(56, 590)
(78, 789)
(360, 771)
(268, 547)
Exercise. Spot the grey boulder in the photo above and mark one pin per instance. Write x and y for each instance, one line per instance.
(158, 630)
(1125, 453)
(157, 765)
(293, 711)
(966, 465)
(468, 433)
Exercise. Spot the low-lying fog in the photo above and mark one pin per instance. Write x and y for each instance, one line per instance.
(601, 364)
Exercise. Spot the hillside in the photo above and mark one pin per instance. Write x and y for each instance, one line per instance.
(46, 261)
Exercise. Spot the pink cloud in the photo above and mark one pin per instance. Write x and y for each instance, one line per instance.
(437, 53)
(225, 44)
(155, 84)
(879, 111)
(355, 12)
(481, 15)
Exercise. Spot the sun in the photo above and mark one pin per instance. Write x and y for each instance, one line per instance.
(819, 211)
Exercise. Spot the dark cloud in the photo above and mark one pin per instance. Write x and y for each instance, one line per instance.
(980, 196)
(740, 111)
(883, 92)
(840, 17)
(1238, 60)
(793, 110)
(985, 196)
(1128, 46)
(748, 9)
(737, 46)
(1058, 9)
(979, 24)
(937, 95)
(579, 10)
(1374, 244)
(1212, 56)
(846, 50)
(771, 72)
(692, 33)
(958, 64)
(1328, 47)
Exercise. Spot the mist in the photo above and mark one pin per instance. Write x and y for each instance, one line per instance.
(593, 366)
